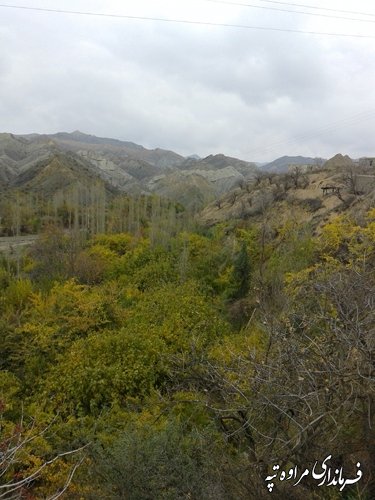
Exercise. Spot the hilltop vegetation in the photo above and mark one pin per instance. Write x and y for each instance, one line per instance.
(299, 193)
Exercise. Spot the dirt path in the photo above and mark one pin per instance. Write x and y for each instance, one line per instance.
(13, 244)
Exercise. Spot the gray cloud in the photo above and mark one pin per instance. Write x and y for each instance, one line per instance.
(194, 89)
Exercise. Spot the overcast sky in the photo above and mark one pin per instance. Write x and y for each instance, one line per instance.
(253, 94)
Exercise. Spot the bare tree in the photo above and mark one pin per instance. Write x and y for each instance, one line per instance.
(350, 179)
(310, 390)
(12, 451)
(295, 174)
(232, 198)
(298, 177)
(259, 176)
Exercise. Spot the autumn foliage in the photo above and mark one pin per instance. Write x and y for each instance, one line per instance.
(161, 363)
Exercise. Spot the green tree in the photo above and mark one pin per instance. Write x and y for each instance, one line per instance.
(241, 274)
(162, 461)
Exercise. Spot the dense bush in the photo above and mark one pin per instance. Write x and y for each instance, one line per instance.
(189, 366)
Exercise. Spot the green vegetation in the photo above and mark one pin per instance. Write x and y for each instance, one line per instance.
(140, 359)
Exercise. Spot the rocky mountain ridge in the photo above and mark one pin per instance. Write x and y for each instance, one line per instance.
(228, 187)
(121, 165)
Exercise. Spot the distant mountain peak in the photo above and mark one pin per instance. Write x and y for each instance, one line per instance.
(282, 164)
(79, 133)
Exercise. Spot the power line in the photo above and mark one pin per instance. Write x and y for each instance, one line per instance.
(351, 120)
(319, 8)
(226, 2)
(183, 21)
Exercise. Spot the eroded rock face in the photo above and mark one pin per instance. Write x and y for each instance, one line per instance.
(223, 180)
(123, 165)
(189, 188)
(17, 155)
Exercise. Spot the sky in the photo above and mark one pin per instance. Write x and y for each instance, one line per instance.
(255, 94)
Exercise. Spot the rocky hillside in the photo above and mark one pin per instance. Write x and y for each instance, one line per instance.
(312, 195)
(52, 162)
(17, 155)
(80, 142)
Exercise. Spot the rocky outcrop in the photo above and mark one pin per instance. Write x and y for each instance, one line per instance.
(339, 162)
(306, 194)
(124, 165)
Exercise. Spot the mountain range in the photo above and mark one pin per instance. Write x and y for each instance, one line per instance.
(51, 162)
(218, 188)
(282, 164)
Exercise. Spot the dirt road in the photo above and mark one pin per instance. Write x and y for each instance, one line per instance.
(14, 244)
